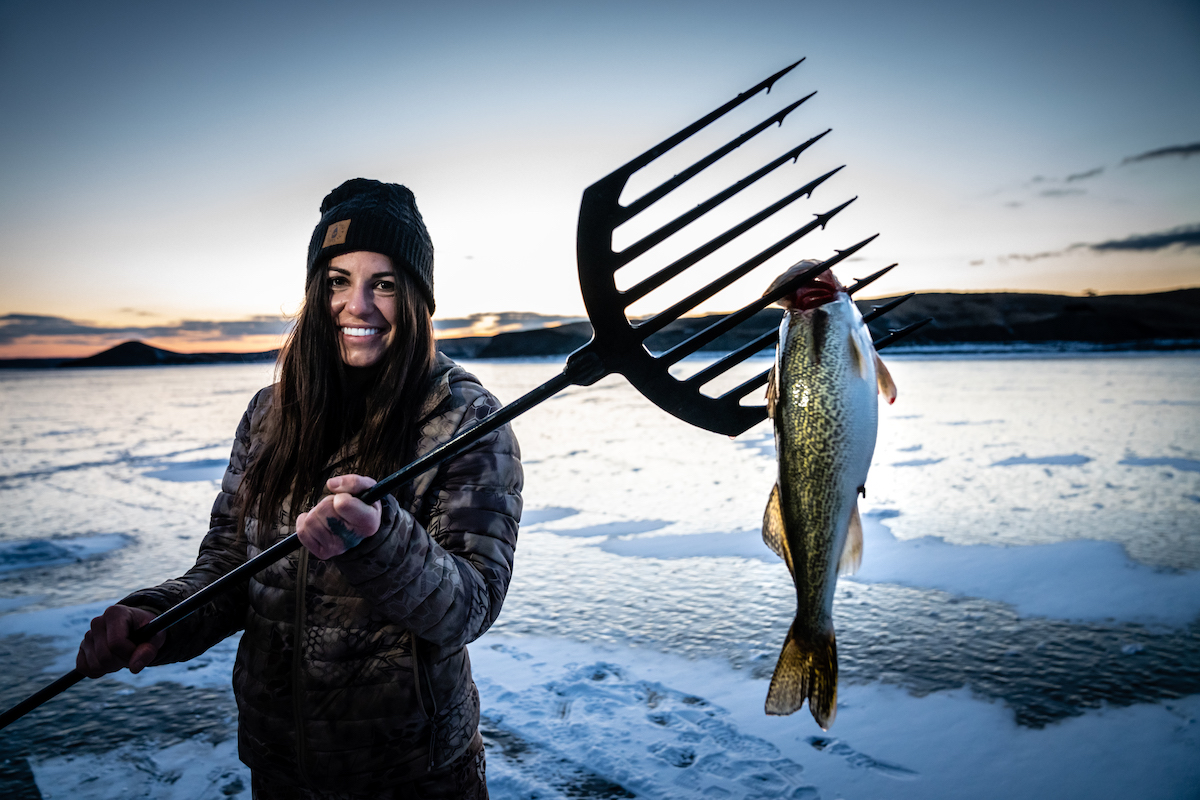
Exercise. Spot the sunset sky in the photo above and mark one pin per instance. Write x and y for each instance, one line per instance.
(162, 164)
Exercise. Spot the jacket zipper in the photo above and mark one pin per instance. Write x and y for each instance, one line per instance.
(431, 719)
(297, 667)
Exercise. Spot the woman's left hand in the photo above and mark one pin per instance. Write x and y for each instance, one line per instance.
(340, 520)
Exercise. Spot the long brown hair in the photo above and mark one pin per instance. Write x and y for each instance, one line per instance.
(311, 417)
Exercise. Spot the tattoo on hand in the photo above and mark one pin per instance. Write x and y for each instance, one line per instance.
(344, 533)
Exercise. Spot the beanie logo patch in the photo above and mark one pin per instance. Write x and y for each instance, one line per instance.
(336, 233)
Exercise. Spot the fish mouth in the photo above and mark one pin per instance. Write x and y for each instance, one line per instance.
(824, 289)
(821, 290)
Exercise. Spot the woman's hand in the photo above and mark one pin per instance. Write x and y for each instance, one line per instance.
(107, 647)
(340, 520)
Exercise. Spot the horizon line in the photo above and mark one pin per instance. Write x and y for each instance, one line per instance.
(45, 337)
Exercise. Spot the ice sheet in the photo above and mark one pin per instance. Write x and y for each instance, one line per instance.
(1076, 580)
(28, 553)
(661, 726)
(563, 719)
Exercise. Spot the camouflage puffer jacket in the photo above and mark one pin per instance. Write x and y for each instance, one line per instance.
(352, 674)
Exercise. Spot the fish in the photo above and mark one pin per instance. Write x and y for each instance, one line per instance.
(822, 396)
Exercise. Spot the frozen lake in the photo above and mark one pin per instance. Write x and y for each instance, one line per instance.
(1027, 618)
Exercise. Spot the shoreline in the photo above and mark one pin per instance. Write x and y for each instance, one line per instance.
(1049, 349)
(1003, 322)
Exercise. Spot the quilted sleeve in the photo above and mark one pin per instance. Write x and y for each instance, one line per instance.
(222, 549)
(446, 581)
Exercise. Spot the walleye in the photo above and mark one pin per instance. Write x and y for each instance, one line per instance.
(822, 398)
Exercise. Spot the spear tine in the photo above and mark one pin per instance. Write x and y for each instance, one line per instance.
(895, 336)
(654, 195)
(728, 323)
(650, 240)
(749, 386)
(665, 145)
(879, 311)
(870, 279)
(736, 357)
(660, 320)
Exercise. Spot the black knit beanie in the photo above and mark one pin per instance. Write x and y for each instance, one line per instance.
(363, 214)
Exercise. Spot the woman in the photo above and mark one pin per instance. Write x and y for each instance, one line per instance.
(352, 677)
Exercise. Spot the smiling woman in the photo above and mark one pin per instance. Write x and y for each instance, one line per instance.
(352, 677)
(362, 290)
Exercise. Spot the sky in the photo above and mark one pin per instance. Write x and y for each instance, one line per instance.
(162, 165)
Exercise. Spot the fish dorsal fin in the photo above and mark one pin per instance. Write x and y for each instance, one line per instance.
(773, 531)
(887, 386)
(852, 551)
(772, 392)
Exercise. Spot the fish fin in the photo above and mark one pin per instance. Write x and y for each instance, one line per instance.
(857, 355)
(774, 534)
(806, 670)
(851, 558)
(887, 386)
(772, 392)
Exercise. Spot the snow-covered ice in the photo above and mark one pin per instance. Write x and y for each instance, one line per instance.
(191, 770)
(1075, 580)
(1025, 571)
(563, 717)
(27, 553)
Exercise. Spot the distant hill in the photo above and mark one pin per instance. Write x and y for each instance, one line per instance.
(1004, 319)
(1163, 319)
(140, 354)
(1137, 320)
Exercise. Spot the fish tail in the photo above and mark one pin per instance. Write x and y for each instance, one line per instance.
(806, 670)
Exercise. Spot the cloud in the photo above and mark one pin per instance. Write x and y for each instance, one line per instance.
(1184, 236)
(255, 326)
(1179, 150)
(489, 324)
(1039, 181)
(15, 327)
(1081, 176)
(1061, 192)
(1035, 256)
(1045, 186)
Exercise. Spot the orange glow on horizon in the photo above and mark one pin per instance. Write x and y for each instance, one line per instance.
(84, 346)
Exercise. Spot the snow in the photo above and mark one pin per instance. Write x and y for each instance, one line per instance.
(191, 770)
(206, 469)
(1080, 580)
(563, 718)
(1069, 460)
(561, 715)
(662, 726)
(1182, 464)
(67, 625)
(1083, 580)
(26, 553)
(640, 497)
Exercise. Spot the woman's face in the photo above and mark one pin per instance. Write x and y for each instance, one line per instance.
(362, 293)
